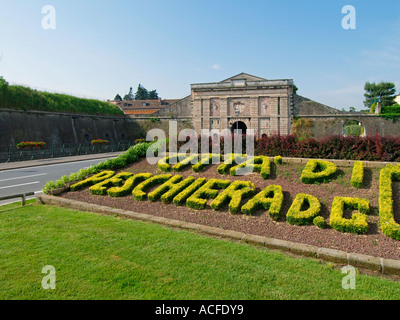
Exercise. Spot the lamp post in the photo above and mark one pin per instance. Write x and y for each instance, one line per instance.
(343, 128)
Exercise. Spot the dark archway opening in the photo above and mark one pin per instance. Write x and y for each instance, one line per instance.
(240, 125)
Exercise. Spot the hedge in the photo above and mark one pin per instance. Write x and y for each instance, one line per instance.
(165, 163)
(260, 164)
(130, 156)
(101, 188)
(358, 223)
(357, 177)
(104, 175)
(186, 162)
(139, 193)
(271, 199)
(206, 160)
(181, 198)
(304, 209)
(387, 222)
(129, 185)
(234, 194)
(230, 160)
(175, 188)
(209, 190)
(318, 171)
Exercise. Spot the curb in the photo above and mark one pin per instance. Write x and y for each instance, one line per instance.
(385, 266)
(45, 162)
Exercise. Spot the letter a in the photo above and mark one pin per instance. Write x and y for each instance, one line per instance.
(49, 20)
(49, 281)
(349, 21)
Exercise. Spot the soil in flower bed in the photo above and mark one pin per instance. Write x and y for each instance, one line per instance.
(373, 243)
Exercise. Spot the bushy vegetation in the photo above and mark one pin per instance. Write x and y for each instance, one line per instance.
(24, 98)
(371, 148)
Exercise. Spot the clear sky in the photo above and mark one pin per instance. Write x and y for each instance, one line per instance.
(101, 47)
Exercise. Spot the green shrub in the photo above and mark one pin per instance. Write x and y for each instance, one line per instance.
(164, 164)
(129, 185)
(175, 189)
(271, 199)
(181, 198)
(230, 161)
(318, 171)
(101, 188)
(24, 98)
(234, 194)
(357, 177)
(387, 222)
(209, 190)
(104, 175)
(359, 221)
(278, 160)
(206, 160)
(186, 162)
(320, 222)
(304, 209)
(128, 157)
(139, 193)
(260, 164)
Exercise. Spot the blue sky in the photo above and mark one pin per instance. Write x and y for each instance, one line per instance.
(103, 47)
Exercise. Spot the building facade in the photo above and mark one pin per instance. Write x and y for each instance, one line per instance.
(243, 102)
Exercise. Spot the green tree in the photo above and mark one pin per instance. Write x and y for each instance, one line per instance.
(141, 93)
(3, 83)
(118, 97)
(153, 95)
(129, 96)
(385, 91)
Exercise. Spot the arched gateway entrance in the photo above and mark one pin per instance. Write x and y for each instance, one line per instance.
(240, 125)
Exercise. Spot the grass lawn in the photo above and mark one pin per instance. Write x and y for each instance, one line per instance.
(102, 257)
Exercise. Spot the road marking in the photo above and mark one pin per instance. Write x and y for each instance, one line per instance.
(58, 164)
(20, 185)
(25, 177)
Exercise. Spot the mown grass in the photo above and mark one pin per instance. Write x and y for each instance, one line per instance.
(103, 257)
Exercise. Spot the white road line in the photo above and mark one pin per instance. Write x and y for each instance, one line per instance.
(24, 177)
(57, 164)
(20, 185)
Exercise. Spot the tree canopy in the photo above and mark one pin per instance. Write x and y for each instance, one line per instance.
(385, 91)
(141, 94)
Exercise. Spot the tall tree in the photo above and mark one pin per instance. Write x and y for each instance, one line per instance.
(153, 95)
(141, 93)
(3, 83)
(118, 97)
(130, 96)
(385, 91)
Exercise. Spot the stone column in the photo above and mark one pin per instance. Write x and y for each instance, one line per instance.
(197, 115)
(224, 113)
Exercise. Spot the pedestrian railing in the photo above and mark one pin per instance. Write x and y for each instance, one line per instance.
(22, 196)
(12, 154)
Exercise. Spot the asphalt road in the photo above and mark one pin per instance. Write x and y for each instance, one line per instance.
(33, 179)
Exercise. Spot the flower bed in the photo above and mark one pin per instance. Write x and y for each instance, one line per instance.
(99, 142)
(328, 213)
(31, 145)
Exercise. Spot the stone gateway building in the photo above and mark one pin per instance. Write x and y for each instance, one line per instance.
(243, 102)
(248, 102)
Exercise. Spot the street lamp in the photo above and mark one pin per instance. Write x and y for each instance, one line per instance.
(343, 128)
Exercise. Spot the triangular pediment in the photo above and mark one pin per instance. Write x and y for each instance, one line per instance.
(243, 76)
